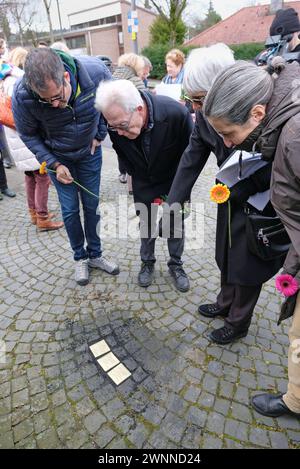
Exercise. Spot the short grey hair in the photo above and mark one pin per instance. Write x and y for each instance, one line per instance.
(60, 45)
(120, 92)
(236, 90)
(203, 65)
(41, 66)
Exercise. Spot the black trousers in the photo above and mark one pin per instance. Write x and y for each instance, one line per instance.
(3, 180)
(149, 233)
(122, 169)
(240, 300)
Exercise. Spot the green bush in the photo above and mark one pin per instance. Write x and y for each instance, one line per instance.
(246, 51)
(157, 55)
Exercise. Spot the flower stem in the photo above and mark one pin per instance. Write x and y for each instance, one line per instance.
(229, 223)
(79, 185)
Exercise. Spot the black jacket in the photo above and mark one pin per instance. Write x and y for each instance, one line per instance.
(152, 159)
(237, 264)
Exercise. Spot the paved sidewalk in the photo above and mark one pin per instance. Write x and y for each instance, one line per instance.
(184, 391)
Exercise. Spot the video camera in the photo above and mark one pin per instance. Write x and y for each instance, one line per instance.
(277, 45)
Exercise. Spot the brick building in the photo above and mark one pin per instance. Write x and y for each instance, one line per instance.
(103, 30)
(250, 24)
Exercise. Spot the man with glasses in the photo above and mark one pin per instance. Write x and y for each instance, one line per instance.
(149, 133)
(54, 111)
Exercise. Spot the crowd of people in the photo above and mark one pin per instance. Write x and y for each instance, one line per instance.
(63, 108)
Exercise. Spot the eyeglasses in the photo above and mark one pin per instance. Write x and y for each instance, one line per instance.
(197, 100)
(60, 98)
(124, 126)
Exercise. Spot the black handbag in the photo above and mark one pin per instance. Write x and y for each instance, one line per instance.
(266, 237)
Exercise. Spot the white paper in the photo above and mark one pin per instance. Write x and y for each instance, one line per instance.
(170, 90)
(229, 175)
(259, 200)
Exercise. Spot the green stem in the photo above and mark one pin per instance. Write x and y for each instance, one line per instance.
(229, 223)
(77, 183)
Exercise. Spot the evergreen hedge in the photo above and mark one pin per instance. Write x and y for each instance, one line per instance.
(156, 53)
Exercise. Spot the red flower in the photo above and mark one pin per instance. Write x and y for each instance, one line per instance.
(158, 201)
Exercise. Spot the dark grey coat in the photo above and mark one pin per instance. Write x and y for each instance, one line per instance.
(237, 264)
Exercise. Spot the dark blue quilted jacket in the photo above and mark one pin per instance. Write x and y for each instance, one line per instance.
(53, 133)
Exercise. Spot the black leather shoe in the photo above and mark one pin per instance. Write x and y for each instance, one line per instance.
(212, 310)
(271, 406)
(181, 280)
(226, 334)
(146, 274)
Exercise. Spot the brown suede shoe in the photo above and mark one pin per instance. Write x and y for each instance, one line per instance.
(33, 216)
(45, 224)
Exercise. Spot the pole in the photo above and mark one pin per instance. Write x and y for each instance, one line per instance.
(59, 17)
(134, 41)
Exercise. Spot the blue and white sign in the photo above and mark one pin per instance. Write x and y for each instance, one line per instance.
(132, 22)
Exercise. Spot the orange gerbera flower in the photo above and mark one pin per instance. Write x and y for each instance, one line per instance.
(219, 193)
(43, 169)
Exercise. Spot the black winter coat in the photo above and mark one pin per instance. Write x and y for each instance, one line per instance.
(238, 265)
(152, 159)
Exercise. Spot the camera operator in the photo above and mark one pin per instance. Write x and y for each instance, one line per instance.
(286, 24)
(284, 38)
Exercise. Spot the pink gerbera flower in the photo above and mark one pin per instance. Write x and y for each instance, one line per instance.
(286, 284)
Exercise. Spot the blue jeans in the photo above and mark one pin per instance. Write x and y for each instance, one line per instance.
(87, 172)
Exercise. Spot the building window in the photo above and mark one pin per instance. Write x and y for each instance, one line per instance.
(77, 42)
(94, 23)
(108, 20)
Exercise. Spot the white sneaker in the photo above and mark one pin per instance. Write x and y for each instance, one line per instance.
(104, 264)
(82, 272)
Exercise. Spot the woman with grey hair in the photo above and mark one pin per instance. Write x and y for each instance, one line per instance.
(255, 108)
(242, 273)
(201, 68)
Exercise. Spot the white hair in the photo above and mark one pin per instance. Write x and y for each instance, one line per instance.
(203, 65)
(120, 92)
(59, 45)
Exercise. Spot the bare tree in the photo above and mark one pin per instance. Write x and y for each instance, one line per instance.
(47, 4)
(22, 14)
(170, 17)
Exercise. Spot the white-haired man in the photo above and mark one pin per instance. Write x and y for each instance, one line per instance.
(149, 134)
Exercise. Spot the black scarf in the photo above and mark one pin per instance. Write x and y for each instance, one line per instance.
(249, 144)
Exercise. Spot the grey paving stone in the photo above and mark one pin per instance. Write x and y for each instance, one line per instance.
(48, 439)
(278, 440)
(94, 421)
(104, 436)
(238, 430)
(210, 442)
(241, 412)
(259, 437)
(172, 427)
(22, 430)
(138, 435)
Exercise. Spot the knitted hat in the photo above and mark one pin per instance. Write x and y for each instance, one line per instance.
(285, 22)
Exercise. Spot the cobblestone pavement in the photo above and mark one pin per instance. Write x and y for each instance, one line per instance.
(184, 391)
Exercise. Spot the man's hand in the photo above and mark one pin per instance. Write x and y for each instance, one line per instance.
(96, 143)
(63, 175)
